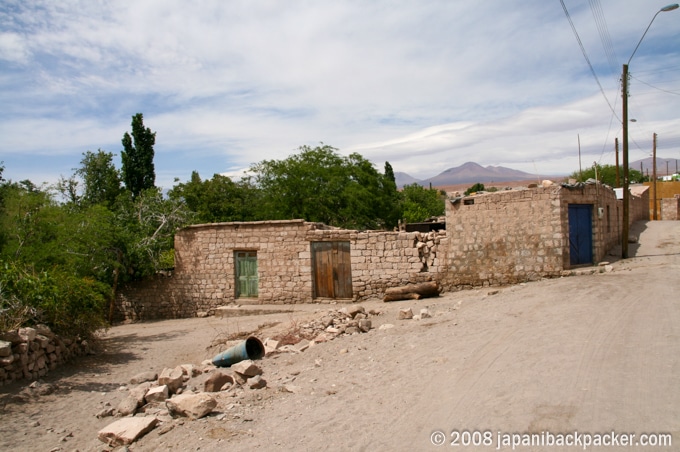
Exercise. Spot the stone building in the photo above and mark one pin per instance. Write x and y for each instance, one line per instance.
(490, 239)
(281, 262)
(514, 236)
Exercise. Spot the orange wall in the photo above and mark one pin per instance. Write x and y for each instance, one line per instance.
(663, 190)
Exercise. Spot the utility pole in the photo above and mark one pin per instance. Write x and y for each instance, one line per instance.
(654, 216)
(616, 149)
(580, 173)
(626, 197)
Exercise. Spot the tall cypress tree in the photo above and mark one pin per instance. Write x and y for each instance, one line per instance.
(137, 157)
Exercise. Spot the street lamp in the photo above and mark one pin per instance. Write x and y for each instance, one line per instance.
(624, 91)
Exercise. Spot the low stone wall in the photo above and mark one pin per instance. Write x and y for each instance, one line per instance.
(30, 353)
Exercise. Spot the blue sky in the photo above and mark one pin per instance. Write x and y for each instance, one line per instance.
(426, 85)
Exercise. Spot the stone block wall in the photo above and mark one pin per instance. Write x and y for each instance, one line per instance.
(670, 208)
(504, 237)
(204, 274)
(522, 235)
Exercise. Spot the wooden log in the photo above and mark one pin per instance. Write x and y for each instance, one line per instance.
(412, 292)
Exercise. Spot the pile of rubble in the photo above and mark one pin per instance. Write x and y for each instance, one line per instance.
(29, 353)
(192, 391)
(184, 391)
(427, 244)
(353, 319)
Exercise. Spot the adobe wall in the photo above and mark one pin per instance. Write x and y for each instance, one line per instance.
(522, 235)
(204, 274)
(504, 237)
(664, 190)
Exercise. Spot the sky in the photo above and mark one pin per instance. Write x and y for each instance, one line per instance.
(423, 84)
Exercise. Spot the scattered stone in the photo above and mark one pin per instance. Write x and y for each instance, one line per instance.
(173, 378)
(127, 430)
(165, 429)
(247, 368)
(193, 406)
(217, 380)
(142, 377)
(365, 325)
(257, 382)
(190, 370)
(343, 351)
(405, 314)
(140, 391)
(106, 412)
(386, 326)
(302, 345)
(290, 388)
(425, 313)
(352, 330)
(157, 394)
(128, 406)
(493, 292)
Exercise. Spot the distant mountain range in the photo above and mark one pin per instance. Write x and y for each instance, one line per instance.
(663, 166)
(467, 173)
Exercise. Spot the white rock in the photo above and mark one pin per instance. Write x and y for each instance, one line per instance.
(128, 406)
(126, 430)
(193, 406)
(425, 313)
(173, 378)
(405, 314)
(246, 367)
(157, 394)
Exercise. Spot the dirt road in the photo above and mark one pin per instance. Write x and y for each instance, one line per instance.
(589, 354)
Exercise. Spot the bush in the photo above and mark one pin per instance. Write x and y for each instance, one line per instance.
(71, 306)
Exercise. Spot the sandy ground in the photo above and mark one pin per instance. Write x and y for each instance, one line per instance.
(590, 354)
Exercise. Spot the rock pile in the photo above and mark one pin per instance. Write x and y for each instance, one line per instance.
(427, 244)
(29, 353)
(156, 399)
(345, 321)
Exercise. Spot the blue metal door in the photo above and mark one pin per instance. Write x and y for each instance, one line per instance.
(580, 234)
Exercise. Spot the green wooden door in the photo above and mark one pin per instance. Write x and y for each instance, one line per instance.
(246, 274)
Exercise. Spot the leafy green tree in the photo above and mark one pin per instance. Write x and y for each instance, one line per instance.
(101, 179)
(607, 175)
(216, 200)
(421, 203)
(137, 157)
(475, 188)
(318, 184)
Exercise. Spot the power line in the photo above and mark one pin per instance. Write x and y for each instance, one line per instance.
(585, 55)
(603, 30)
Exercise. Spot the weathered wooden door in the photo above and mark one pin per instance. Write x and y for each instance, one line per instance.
(580, 234)
(331, 270)
(245, 263)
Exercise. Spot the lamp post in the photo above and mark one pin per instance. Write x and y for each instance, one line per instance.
(624, 93)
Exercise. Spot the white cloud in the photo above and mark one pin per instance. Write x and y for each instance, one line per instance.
(424, 85)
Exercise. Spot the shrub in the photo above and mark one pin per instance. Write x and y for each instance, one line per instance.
(71, 306)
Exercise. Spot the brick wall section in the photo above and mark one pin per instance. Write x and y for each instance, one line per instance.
(670, 208)
(204, 275)
(664, 189)
(522, 235)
